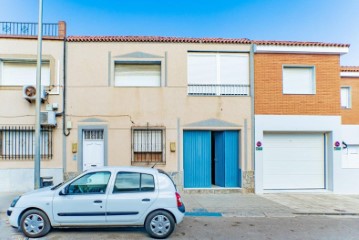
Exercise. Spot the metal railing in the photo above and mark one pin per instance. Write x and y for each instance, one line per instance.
(17, 142)
(218, 89)
(28, 29)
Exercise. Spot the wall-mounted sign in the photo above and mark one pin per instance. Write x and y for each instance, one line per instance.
(337, 146)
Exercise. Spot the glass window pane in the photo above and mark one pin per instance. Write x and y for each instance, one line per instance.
(91, 183)
(147, 183)
(344, 97)
(127, 182)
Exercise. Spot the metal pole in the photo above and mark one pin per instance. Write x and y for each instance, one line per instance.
(38, 101)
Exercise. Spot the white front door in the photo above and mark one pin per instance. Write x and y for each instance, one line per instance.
(93, 149)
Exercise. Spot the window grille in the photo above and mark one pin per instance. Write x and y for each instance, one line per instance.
(148, 145)
(93, 134)
(18, 142)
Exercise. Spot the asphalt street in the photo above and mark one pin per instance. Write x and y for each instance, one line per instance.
(286, 228)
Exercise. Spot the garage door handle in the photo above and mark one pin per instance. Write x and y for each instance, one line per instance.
(146, 200)
(97, 201)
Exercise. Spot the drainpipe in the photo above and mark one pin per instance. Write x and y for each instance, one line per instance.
(64, 94)
(251, 78)
(65, 134)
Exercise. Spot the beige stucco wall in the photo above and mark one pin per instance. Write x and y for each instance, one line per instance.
(91, 95)
(16, 111)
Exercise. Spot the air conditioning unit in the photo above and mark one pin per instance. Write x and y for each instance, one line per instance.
(48, 119)
(29, 93)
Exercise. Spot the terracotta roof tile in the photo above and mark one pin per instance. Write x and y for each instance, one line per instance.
(155, 39)
(349, 68)
(197, 40)
(296, 43)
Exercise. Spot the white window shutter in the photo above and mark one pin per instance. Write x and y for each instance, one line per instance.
(298, 80)
(23, 73)
(145, 75)
(234, 69)
(202, 69)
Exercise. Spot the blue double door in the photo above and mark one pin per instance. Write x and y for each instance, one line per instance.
(211, 158)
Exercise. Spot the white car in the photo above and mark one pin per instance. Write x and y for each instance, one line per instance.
(108, 196)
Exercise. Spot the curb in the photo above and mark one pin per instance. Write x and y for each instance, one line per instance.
(203, 214)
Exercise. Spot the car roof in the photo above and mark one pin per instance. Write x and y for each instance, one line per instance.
(124, 169)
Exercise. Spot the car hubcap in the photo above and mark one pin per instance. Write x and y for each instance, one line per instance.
(160, 225)
(34, 224)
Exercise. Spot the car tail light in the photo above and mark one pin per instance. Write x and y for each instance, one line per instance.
(179, 201)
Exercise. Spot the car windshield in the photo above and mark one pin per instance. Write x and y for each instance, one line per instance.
(68, 180)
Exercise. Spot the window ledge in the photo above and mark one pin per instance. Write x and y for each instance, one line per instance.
(148, 164)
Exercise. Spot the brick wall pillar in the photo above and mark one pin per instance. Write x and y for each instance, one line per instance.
(62, 29)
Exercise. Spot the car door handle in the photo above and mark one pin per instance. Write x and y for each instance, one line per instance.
(146, 200)
(97, 201)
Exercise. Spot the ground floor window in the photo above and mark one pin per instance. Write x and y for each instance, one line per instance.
(18, 142)
(148, 145)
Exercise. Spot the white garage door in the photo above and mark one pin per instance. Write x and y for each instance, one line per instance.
(293, 161)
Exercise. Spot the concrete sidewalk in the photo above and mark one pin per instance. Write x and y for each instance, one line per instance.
(252, 205)
(271, 205)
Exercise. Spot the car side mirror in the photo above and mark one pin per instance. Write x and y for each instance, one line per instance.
(63, 191)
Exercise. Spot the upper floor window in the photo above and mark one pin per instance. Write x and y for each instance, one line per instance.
(148, 145)
(22, 72)
(345, 98)
(218, 74)
(298, 80)
(138, 74)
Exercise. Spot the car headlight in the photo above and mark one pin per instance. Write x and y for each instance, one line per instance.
(15, 201)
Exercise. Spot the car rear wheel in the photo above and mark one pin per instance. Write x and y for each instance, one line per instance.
(159, 224)
(35, 223)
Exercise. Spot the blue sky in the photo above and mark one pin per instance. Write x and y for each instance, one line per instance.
(297, 20)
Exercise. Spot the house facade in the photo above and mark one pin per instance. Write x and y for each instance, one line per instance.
(179, 104)
(253, 116)
(298, 119)
(18, 49)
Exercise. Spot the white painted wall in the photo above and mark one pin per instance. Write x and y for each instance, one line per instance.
(339, 179)
(22, 180)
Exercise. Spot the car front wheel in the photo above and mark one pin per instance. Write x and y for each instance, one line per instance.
(34, 223)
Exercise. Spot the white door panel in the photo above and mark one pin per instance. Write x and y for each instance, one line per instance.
(79, 208)
(293, 161)
(93, 149)
(128, 207)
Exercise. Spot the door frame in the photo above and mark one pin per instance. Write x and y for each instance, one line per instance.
(80, 143)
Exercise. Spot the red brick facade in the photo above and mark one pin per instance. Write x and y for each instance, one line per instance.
(269, 97)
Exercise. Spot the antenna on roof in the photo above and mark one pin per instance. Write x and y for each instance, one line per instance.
(154, 165)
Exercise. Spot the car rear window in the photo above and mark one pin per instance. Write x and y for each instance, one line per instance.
(134, 182)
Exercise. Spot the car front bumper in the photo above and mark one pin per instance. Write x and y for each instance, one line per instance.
(13, 214)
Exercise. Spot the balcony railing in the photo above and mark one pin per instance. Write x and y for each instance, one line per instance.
(29, 29)
(218, 89)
